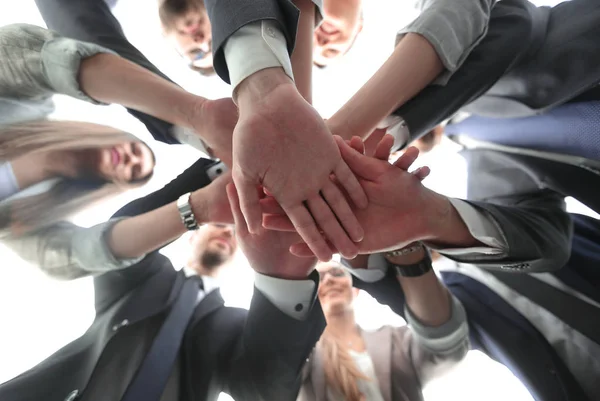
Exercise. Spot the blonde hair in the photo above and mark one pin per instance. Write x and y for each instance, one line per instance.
(341, 373)
(67, 196)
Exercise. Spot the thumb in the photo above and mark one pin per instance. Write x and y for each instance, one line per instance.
(361, 165)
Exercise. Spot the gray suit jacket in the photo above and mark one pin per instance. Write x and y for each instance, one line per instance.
(532, 59)
(402, 366)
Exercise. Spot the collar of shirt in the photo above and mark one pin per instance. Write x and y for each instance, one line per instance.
(210, 283)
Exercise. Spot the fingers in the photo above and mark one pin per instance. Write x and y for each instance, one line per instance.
(384, 147)
(357, 144)
(270, 205)
(249, 203)
(361, 165)
(407, 158)
(421, 173)
(327, 221)
(238, 218)
(305, 226)
(278, 223)
(339, 205)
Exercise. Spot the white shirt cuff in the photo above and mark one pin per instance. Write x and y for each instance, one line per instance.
(254, 47)
(184, 135)
(482, 228)
(292, 297)
(396, 127)
(374, 271)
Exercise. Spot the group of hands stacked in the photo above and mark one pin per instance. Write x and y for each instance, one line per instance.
(297, 192)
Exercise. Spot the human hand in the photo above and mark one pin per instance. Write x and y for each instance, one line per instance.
(268, 252)
(400, 211)
(210, 204)
(283, 144)
(215, 123)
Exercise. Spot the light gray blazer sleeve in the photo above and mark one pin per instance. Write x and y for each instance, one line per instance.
(434, 350)
(66, 251)
(453, 27)
(36, 63)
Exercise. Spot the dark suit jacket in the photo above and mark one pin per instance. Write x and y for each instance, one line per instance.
(540, 238)
(531, 59)
(253, 355)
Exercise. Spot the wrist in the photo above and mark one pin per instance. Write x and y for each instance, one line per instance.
(199, 203)
(260, 84)
(448, 229)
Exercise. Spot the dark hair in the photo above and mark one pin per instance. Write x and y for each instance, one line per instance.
(168, 10)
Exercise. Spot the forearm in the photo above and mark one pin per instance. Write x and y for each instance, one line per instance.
(413, 65)
(112, 79)
(136, 236)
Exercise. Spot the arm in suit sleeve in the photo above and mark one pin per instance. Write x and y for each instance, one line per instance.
(262, 33)
(431, 349)
(92, 21)
(507, 40)
(525, 227)
(39, 63)
(276, 341)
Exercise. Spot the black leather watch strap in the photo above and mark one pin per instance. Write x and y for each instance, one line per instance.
(413, 270)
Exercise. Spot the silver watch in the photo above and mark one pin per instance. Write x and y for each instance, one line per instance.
(185, 212)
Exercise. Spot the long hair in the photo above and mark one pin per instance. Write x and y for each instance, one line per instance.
(341, 373)
(67, 196)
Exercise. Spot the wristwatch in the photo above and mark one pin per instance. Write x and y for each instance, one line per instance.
(413, 270)
(185, 212)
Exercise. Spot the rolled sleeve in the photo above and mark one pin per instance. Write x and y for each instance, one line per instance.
(444, 339)
(453, 27)
(255, 47)
(292, 297)
(36, 63)
(61, 58)
(91, 251)
(482, 227)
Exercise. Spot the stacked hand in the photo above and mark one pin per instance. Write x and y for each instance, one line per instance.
(400, 211)
(214, 123)
(268, 252)
(281, 143)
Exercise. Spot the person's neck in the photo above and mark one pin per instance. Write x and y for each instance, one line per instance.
(201, 270)
(32, 169)
(343, 325)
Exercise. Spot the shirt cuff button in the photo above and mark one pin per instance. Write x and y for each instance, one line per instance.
(299, 307)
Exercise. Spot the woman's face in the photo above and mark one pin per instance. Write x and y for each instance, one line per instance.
(337, 32)
(335, 288)
(125, 162)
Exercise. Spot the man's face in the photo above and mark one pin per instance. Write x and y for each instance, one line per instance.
(336, 34)
(213, 245)
(191, 35)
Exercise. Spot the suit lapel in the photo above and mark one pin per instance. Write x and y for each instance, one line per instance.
(211, 302)
(379, 347)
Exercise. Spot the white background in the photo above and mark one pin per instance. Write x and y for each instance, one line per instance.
(40, 315)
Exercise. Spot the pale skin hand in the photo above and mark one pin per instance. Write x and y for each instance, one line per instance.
(396, 199)
(112, 79)
(267, 252)
(163, 225)
(281, 143)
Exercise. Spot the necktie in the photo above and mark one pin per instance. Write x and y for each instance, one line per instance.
(569, 129)
(151, 378)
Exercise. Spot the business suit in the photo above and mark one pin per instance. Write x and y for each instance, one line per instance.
(529, 62)
(402, 366)
(540, 237)
(251, 355)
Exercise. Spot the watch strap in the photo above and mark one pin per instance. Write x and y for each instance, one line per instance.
(185, 212)
(415, 269)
